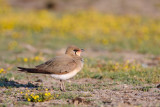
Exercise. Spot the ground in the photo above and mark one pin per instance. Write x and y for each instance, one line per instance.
(94, 91)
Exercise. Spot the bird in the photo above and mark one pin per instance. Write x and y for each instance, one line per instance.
(60, 67)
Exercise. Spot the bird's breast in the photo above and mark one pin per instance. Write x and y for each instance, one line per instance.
(67, 75)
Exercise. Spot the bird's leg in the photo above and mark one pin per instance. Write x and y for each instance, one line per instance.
(61, 87)
(64, 89)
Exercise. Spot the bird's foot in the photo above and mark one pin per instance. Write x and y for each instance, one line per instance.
(64, 90)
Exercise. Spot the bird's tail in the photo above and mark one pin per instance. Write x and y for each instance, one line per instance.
(30, 70)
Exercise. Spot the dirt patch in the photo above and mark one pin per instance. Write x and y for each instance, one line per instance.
(113, 94)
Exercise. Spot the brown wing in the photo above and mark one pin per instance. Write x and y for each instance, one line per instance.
(58, 65)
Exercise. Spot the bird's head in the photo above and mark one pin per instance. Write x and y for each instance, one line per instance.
(73, 51)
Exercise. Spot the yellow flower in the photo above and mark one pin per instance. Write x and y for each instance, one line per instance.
(36, 58)
(25, 59)
(49, 94)
(46, 94)
(21, 92)
(39, 100)
(12, 45)
(133, 67)
(37, 96)
(28, 99)
(32, 95)
(1, 70)
(125, 67)
(104, 41)
(57, 95)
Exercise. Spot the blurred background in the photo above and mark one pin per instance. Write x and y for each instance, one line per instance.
(120, 7)
(97, 24)
(105, 28)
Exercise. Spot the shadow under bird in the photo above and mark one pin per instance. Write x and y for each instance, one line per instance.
(60, 67)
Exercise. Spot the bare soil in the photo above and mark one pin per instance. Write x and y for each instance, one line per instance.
(105, 93)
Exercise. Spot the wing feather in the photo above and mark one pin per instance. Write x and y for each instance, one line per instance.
(58, 65)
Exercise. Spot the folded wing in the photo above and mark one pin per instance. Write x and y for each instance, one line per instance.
(58, 65)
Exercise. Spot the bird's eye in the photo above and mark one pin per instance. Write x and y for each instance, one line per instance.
(75, 50)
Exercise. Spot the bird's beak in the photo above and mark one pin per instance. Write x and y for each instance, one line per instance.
(82, 50)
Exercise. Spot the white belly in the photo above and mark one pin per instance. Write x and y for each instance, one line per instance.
(66, 76)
